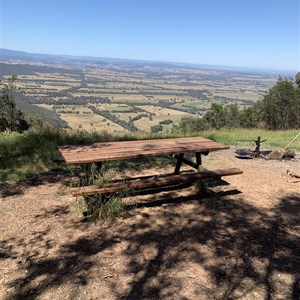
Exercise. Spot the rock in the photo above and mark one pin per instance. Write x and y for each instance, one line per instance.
(290, 153)
(277, 154)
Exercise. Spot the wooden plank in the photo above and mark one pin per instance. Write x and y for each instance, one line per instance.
(116, 147)
(80, 158)
(134, 143)
(94, 153)
(141, 147)
(151, 182)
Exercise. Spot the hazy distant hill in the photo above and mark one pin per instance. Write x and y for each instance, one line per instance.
(29, 69)
(7, 54)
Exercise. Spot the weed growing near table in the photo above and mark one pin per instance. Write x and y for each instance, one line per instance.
(102, 206)
(201, 187)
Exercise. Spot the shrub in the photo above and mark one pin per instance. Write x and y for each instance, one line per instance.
(166, 122)
(156, 128)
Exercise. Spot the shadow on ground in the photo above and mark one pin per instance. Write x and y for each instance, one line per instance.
(66, 175)
(214, 248)
(53, 176)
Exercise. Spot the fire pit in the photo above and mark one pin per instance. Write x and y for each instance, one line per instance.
(279, 154)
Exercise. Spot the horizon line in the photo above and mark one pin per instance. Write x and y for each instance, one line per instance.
(155, 61)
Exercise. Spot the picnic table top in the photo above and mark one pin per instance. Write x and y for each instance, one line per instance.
(107, 151)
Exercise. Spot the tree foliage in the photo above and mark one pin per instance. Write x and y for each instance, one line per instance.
(297, 79)
(11, 117)
(156, 128)
(191, 124)
(215, 117)
(281, 106)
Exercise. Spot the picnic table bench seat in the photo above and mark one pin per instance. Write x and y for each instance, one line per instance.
(149, 183)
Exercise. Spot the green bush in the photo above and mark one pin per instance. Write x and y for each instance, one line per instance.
(156, 128)
(166, 122)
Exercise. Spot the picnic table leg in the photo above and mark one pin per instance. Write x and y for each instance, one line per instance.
(198, 159)
(178, 163)
(181, 159)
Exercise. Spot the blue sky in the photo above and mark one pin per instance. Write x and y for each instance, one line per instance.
(253, 33)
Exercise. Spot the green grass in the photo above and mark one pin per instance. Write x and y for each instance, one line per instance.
(24, 155)
(274, 139)
(27, 154)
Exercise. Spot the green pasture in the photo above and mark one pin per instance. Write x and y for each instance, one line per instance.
(191, 105)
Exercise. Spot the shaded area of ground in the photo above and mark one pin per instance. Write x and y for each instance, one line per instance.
(66, 174)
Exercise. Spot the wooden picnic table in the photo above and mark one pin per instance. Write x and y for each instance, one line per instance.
(107, 151)
(114, 151)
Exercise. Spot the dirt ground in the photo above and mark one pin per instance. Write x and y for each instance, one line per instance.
(243, 242)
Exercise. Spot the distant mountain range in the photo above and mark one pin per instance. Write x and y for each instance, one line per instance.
(6, 55)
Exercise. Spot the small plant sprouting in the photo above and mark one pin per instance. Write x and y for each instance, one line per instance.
(201, 187)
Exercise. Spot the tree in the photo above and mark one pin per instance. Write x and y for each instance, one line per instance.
(281, 106)
(191, 124)
(156, 128)
(11, 118)
(297, 79)
(248, 118)
(166, 122)
(232, 116)
(215, 117)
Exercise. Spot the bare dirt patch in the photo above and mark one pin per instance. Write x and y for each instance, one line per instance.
(241, 243)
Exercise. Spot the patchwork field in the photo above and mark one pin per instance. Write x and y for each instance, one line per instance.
(92, 122)
(132, 96)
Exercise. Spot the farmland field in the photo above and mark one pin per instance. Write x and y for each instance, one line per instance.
(92, 122)
(130, 95)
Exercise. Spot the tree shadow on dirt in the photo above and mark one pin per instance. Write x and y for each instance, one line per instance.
(213, 248)
(50, 177)
(249, 247)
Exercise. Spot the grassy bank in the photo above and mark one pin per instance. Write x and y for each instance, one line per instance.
(27, 154)
(274, 139)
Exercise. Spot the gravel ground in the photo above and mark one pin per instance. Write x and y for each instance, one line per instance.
(242, 242)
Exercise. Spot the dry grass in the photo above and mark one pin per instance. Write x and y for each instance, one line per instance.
(163, 111)
(238, 95)
(92, 122)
